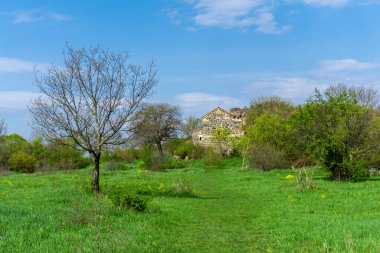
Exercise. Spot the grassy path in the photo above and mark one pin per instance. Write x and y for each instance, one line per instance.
(222, 220)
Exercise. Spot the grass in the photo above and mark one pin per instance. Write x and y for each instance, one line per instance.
(229, 210)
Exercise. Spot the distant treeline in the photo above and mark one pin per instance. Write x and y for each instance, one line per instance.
(339, 129)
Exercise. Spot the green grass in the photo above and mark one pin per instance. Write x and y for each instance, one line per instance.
(233, 211)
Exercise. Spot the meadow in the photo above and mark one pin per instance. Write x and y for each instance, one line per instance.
(232, 210)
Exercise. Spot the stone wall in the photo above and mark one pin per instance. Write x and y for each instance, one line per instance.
(218, 118)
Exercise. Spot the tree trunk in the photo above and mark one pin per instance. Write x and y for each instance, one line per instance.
(95, 179)
(159, 146)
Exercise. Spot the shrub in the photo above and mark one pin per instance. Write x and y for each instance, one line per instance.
(189, 150)
(356, 169)
(22, 162)
(265, 157)
(116, 165)
(66, 158)
(212, 158)
(162, 163)
(127, 197)
(127, 154)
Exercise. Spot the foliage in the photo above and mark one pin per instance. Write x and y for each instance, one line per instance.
(272, 105)
(222, 141)
(270, 128)
(266, 157)
(269, 141)
(189, 150)
(64, 157)
(113, 165)
(183, 148)
(156, 162)
(336, 128)
(22, 162)
(125, 154)
(126, 197)
(212, 158)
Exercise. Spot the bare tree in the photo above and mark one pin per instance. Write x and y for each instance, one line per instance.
(91, 100)
(156, 123)
(3, 127)
(367, 97)
(189, 125)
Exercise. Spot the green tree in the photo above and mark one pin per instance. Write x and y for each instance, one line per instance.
(336, 128)
(272, 104)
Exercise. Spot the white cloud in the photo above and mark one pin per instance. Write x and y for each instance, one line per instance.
(16, 100)
(16, 65)
(327, 3)
(245, 14)
(295, 88)
(345, 65)
(35, 15)
(242, 14)
(199, 101)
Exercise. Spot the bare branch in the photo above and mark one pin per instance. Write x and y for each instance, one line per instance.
(92, 99)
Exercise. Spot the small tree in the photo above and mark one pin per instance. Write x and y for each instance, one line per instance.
(156, 123)
(91, 100)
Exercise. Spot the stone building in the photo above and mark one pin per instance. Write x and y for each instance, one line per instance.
(218, 119)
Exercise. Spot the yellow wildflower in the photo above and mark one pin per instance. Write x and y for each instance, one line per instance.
(323, 196)
(289, 177)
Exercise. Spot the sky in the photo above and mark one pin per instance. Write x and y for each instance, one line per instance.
(208, 52)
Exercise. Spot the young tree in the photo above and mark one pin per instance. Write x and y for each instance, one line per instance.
(156, 123)
(91, 100)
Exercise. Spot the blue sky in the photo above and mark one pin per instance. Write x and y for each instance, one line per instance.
(208, 52)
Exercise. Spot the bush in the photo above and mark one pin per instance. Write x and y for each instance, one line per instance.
(189, 150)
(356, 169)
(156, 162)
(117, 165)
(22, 162)
(66, 158)
(212, 158)
(127, 197)
(127, 154)
(265, 157)
(162, 163)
